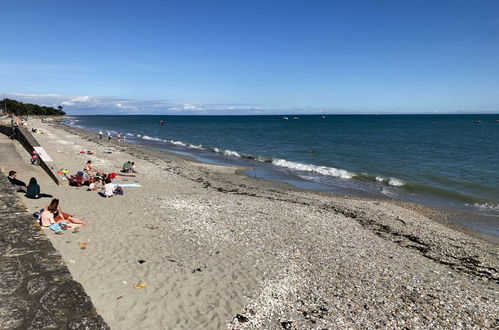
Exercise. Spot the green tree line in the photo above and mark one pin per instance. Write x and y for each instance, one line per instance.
(28, 109)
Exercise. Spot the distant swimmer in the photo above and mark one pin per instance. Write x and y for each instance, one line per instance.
(161, 122)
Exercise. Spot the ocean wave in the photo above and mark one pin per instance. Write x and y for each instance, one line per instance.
(145, 137)
(485, 206)
(388, 192)
(196, 146)
(231, 153)
(324, 170)
(395, 182)
(389, 181)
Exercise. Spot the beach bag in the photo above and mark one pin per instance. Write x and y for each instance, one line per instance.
(118, 191)
(38, 216)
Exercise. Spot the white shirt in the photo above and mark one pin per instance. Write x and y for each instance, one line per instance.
(109, 189)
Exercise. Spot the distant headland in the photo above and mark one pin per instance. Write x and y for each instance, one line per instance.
(22, 109)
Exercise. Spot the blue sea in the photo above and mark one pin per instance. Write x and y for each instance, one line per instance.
(445, 161)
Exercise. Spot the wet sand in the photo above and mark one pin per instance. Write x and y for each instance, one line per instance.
(217, 249)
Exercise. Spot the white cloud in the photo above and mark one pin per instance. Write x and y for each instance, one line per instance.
(114, 105)
(190, 107)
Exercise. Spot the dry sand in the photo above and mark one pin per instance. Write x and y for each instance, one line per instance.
(223, 250)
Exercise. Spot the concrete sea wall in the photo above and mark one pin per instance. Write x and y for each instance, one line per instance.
(37, 290)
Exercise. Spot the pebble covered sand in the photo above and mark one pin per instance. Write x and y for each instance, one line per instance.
(215, 249)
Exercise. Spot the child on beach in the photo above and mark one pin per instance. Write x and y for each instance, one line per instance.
(35, 160)
(93, 185)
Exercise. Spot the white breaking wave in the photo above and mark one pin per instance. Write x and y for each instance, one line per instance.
(193, 146)
(395, 182)
(178, 143)
(145, 137)
(231, 153)
(324, 170)
(485, 206)
(390, 181)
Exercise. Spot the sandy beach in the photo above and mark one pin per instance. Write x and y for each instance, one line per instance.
(215, 249)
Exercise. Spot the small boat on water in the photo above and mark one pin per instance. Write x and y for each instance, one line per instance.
(477, 121)
(295, 118)
(323, 117)
(285, 118)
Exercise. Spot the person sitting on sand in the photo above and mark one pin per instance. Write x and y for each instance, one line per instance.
(109, 188)
(134, 170)
(93, 184)
(19, 186)
(127, 167)
(52, 213)
(34, 190)
(88, 167)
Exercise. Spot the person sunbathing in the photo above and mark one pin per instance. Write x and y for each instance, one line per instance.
(52, 213)
(88, 167)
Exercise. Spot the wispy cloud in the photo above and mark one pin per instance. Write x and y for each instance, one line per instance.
(84, 104)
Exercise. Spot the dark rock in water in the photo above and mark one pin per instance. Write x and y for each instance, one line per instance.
(286, 325)
(241, 318)
(36, 288)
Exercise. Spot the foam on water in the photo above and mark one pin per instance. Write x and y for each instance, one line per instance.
(231, 153)
(330, 171)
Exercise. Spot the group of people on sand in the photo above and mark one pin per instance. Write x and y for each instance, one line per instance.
(51, 214)
(32, 190)
(109, 188)
(118, 136)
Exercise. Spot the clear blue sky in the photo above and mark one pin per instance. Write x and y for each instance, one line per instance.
(358, 56)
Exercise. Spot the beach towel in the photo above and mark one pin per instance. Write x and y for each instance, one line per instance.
(130, 185)
(55, 227)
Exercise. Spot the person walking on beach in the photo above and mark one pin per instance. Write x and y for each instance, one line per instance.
(118, 136)
(108, 136)
(100, 134)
